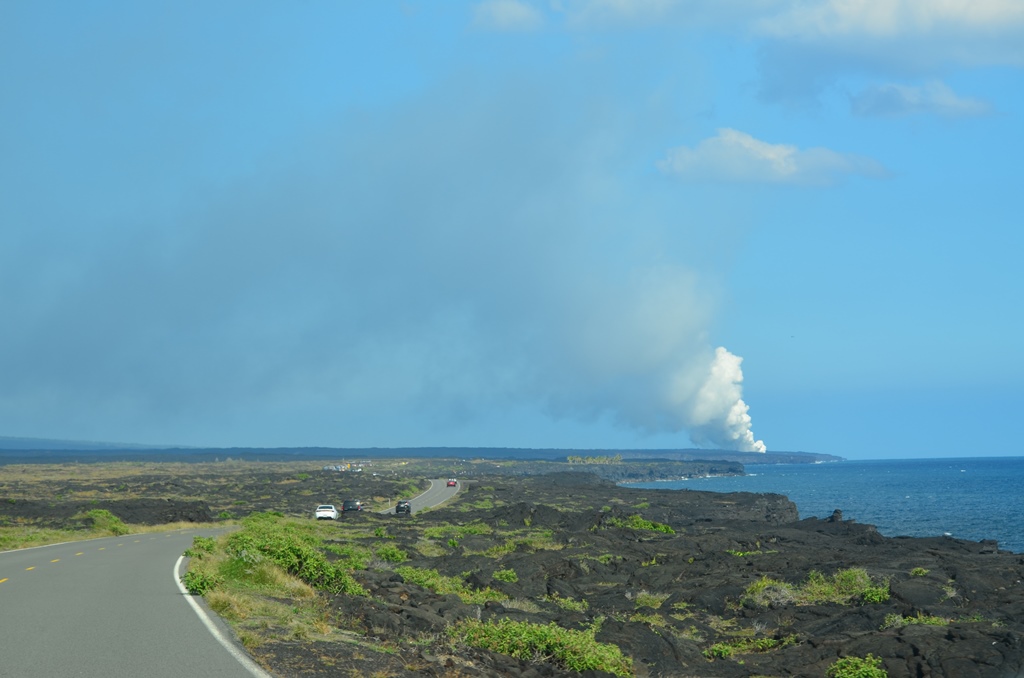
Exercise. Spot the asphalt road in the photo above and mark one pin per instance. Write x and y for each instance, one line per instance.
(114, 608)
(438, 493)
(106, 608)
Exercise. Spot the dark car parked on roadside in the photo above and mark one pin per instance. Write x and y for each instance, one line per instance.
(351, 505)
(403, 506)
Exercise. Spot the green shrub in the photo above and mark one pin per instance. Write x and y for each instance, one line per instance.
(746, 646)
(569, 603)
(572, 650)
(294, 550)
(391, 553)
(105, 521)
(897, 620)
(438, 583)
(857, 667)
(766, 592)
(200, 583)
(638, 522)
(719, 651)
(845, 586)
(508, 576)
(200, 547)
(918, 572)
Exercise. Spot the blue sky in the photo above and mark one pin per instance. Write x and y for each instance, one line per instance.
(565, 223)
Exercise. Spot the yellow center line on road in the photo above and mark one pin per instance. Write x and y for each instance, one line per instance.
(104, 548)
(79, 553)
(3, 580)
(137, 541)
(55, 560)
(27, 569)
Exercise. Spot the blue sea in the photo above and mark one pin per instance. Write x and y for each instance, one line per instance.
(970, 499)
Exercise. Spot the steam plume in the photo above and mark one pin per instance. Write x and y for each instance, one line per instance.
(716, 416)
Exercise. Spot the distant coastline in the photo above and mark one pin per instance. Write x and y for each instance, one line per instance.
(39, 450)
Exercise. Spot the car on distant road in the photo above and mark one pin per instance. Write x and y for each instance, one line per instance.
(403, 506)
(351, 505)
(326, 512)
(452, 482)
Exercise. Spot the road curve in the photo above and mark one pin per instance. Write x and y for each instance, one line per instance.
(107, 608)
(115, 608)
(438, 493)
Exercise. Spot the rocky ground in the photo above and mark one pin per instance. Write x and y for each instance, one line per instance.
(670, 601)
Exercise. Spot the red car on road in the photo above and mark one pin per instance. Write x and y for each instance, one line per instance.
(452, 482)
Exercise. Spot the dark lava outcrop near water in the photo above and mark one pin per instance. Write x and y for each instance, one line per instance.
(668, 599)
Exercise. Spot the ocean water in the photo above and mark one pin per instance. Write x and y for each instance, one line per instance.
(970, 499)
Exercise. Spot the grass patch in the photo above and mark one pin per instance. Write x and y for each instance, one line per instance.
(294, 549)
(568, 603)
(391, 553)
(572, 650)
(857, 667)
(843, 587)
(443, 585)
(638, 522)
(746, 646)
(652, 600)
(893, 621)
(509, 576)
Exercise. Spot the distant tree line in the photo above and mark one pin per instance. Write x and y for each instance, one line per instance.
(576, 459)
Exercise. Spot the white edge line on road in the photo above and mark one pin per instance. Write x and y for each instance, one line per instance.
(243, 659)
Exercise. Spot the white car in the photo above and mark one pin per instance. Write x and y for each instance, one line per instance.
(326, 512)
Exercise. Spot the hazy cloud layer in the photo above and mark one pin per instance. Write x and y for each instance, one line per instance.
(453, 255)
(507, 15)
(734, 156)
(934, 97)
(804, 47)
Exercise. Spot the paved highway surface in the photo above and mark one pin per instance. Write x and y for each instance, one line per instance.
(438, 493)
(114, 608)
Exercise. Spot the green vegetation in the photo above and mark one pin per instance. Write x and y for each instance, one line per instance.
(201, 546)
(607, 459)
(844, 587)
(918, 572)
(199, 583)
(572, 650)
(439, 583)
(746, 646)
(652, 600)
(744, 554)
(456, 531)
(896, 621)
(568, 603)
(293, 548)
(105, 521)
(508, 576)
(391, 553)
(638, 522)
(857, 667)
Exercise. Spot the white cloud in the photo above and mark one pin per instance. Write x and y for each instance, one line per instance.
(507, 15)
(892, 18)
(932, 97)
(735, 156)
(804, 46)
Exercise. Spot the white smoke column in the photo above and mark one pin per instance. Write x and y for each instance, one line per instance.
(716, 415)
